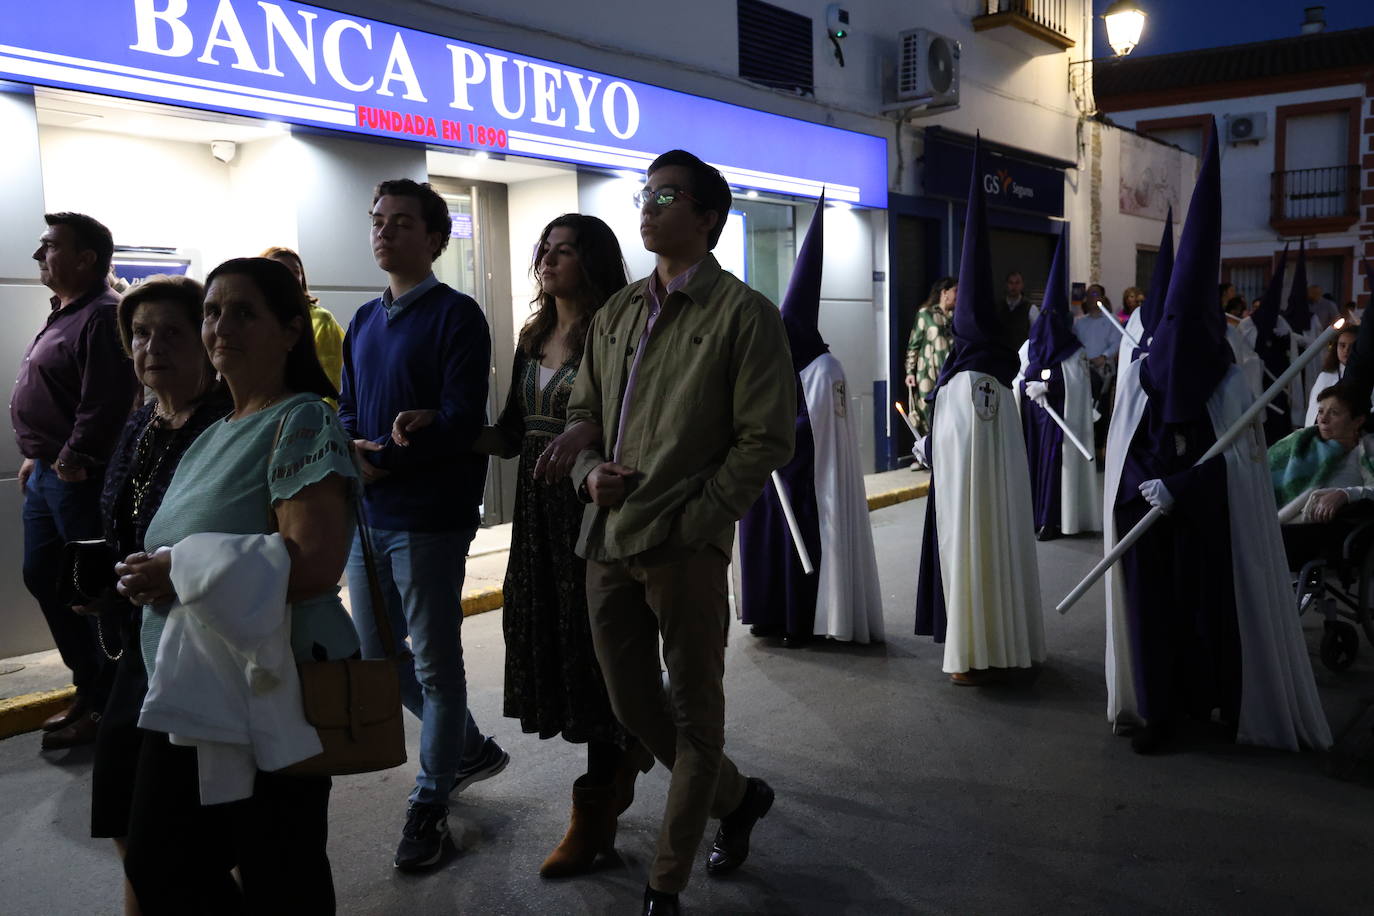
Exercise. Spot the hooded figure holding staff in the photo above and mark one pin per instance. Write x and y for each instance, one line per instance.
(1200, 611)
(1065, 495)
(824, 481)
(1269, 333)
(979, 587)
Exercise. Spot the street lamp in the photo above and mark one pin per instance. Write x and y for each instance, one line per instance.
(1125, 21)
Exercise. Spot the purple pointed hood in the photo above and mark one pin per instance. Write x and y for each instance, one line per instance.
(1266, 317)
(1299, 310)
(981, 341)
(801, 306)
(1189, 354)
(1152, 309)
(1051, 337)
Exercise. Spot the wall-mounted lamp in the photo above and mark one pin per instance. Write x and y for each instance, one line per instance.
(1125, 23)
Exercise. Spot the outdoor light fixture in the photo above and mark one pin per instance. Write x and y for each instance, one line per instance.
(1125, 21)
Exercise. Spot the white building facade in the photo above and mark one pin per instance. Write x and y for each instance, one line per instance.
(518, 113)
(1296, 124)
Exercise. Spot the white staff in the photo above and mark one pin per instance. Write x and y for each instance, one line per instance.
(1054, 415)
(1116, 324)
(1223, 442)
(792, 525)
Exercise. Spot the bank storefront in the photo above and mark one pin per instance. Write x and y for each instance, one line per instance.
(200, 130)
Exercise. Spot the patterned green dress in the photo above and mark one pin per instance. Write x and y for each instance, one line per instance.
(925, 355)
(553, 683)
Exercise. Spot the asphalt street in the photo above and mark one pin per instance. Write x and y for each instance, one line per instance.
(897, 792)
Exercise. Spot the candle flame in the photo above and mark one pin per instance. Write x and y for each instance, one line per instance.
(900, 409)
(1340, 323)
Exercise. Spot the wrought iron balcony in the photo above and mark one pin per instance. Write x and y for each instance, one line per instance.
(1326, 198)
(1047, 20)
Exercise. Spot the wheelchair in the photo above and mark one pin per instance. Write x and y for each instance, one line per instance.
(1340, 586)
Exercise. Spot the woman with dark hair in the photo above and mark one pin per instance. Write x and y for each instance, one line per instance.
(553, 683)
(329, 336)
(927, 348)
(1333, 368)
(159, 325)
(275, 477)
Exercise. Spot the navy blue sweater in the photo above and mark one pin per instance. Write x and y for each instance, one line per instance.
(435, 355)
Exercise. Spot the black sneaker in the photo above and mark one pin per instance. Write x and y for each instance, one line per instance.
(489, 762)
(424, 836)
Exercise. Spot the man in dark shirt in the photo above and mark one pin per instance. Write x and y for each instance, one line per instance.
(1021, 313)
(74, 392)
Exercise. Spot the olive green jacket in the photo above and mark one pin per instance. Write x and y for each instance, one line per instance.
(714, 413)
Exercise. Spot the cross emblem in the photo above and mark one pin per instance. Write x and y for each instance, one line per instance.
(986, 397)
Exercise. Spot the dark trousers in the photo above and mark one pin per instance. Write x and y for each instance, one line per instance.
(180, 851)
(56, 512)
(684, 601)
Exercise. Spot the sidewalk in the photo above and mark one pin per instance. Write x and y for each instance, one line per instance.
(33, 687)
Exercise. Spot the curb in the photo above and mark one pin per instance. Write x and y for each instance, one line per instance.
(26, 713)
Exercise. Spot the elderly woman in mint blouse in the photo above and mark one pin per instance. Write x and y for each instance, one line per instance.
(279, 461)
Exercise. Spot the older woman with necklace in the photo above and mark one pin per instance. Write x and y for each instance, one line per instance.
(159, 324)
(279, 462)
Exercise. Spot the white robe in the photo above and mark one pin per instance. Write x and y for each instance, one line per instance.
(1251, 366)
(985, 528)
(1279, 704)
(1080, 497)
(849, 600)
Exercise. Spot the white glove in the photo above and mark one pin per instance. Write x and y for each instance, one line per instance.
(918, 451)
(1157, 495)
(1036, 391)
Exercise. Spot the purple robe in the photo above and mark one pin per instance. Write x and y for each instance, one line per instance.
(1045, 451)
(775, 594)
(1180, 592)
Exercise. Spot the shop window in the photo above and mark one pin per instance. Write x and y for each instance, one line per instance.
(760, 240)
(775, 47)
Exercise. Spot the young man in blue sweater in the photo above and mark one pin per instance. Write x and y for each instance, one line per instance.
(425, 349)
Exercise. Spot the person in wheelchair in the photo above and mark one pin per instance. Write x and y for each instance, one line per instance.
(1323, 477)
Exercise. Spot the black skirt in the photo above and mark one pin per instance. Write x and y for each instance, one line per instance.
(118, 742)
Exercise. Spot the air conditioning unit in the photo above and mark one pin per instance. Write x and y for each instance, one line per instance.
(1247, 128)
(927, 69)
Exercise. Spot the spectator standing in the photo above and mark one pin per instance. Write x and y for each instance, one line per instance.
(666, 490)
(1101, 343)
(75, 389)
(927, 348)
(159, 324)
(421, 345)
(328, 334)
(1021, 314)
(1131, 299)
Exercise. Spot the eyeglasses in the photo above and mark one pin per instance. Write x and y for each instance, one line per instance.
(662, 197)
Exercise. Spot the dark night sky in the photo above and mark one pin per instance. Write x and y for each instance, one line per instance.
(1186, 25)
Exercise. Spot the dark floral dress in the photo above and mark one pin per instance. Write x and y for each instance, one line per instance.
(553, 682)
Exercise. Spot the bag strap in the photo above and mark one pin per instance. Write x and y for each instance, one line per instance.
(374, 586)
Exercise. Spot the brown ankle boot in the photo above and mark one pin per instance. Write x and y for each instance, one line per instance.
(591, 832)
(634, 760)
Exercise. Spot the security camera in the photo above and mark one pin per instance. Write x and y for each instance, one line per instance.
(837, 27)
(224, 150)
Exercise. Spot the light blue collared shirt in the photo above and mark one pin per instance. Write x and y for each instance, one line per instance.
(395, 307)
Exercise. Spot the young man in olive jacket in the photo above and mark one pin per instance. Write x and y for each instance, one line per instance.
(688, 374)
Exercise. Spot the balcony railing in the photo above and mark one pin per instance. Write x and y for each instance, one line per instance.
(1328, 195)
(1047, 20)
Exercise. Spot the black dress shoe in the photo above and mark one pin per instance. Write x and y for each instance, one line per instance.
(731, 846)
(795, 640)
(1047, 533)
(762, 631)
(1152, 737)
(659, 903)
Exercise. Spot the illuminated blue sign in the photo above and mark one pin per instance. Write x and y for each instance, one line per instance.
(306, 65)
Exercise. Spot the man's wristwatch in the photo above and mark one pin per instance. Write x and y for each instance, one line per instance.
(583, 493)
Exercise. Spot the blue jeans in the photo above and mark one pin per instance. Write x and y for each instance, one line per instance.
(421, 577)
(56, 512)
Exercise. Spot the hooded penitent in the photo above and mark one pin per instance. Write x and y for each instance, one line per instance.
(1065, 493)
(1299, 310)
(1273, 348)
(824, 483)
(1199, 609)
(979, 589)
(1359, 368)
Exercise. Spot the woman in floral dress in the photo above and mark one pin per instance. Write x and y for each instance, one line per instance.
(553, 682)
(927, 348)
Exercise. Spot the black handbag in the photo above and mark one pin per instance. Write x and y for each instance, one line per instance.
(88, 571)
